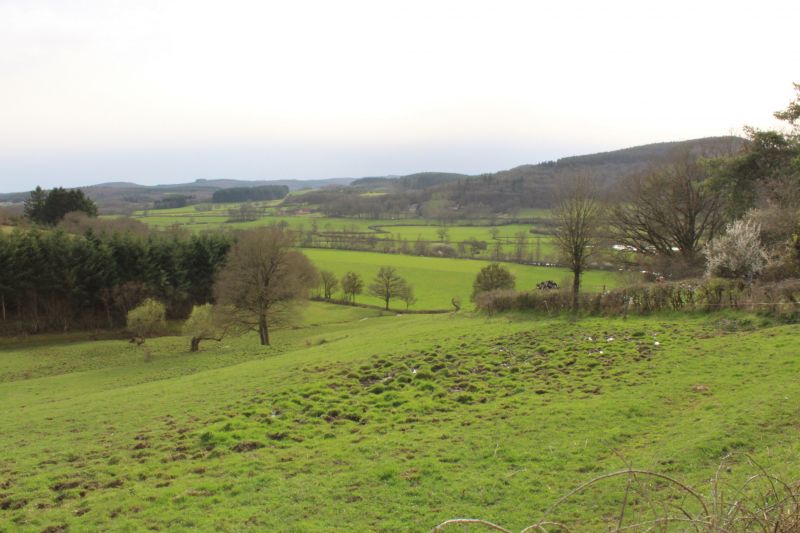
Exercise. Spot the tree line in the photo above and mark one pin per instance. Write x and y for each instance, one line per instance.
(52, 280)
(250, 194)
(387, 285)
(261, 286)
(49, 207)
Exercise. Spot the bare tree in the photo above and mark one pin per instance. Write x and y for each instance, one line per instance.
(668, 211)
(407, 295)
(577, 214)
(264, 279)
(328, 282)
(387, 285)
(352, 284)
(520, 245)
(443, 234)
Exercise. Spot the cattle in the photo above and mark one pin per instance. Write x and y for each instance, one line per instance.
(547, 285)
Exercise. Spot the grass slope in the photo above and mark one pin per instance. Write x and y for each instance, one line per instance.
(356, 422)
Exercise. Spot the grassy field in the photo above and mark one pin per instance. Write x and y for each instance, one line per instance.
(218, 219)
(410, 229)
(540, 246)
(407, 229)
(360, 422)
(437, 280)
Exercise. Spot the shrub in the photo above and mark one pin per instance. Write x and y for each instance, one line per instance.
(443, 250)
(146, 319)
(738, 253)
(777, 299)
(210, 322)
(491, 278)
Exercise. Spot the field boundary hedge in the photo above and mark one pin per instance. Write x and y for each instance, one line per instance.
(381, 308)
(778, 298)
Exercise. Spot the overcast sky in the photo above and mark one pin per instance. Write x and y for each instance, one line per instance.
(166, 91)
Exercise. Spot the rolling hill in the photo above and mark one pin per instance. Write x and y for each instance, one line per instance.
(522, 186)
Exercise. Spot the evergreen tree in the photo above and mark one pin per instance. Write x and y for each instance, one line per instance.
(49, 208)
(34, 205)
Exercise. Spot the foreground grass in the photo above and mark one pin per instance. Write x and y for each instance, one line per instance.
(437, 280)
(357, 422)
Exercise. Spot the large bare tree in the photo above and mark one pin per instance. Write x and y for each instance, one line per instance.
(352, 284)
(263, 279)
(328, 282)
(668, 211)
(577, 213)
(387, 285)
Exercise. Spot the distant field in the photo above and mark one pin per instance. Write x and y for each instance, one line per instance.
(539, 246)
(218, 218)
(196, 222)
(455, 234)
(357, 422)
(437, 280)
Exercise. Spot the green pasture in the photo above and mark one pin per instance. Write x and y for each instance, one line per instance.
(407, 229)
(458, 233)
(354, 421)
(506, 235)
(202, 209)
(437, 280)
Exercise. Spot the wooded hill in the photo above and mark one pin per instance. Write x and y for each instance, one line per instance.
(430, 194)
(443, 195)
(125, 197)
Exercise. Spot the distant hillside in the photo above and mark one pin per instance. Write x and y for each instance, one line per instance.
(446, 195)
(124, 197)
(460, 194)
(533, 185)
(619, 163)
(421, 180)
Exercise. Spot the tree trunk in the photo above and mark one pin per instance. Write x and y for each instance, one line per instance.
(3, 301)
(108, 315)
(387, 304)
(195, 344)
(35, 307)
(263, 330)
(576, 289)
